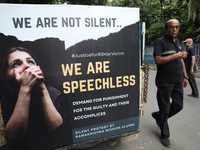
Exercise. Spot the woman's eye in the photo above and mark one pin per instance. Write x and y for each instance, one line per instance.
(31, 62)
(16, 65)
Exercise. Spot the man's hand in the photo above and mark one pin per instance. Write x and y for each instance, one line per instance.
(182, 54)
(185, 82)
(192, 71)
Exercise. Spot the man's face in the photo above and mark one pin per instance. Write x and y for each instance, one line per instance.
(186, 44)
(173, 28)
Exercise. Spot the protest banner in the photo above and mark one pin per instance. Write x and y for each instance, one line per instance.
(90, 55)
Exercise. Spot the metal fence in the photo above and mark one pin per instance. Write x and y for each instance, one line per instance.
(148, 54)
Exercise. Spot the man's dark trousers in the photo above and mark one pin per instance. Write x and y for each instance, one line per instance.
(167, 108)
(192, 83)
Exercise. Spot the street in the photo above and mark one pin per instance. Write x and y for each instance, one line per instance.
(184, 127)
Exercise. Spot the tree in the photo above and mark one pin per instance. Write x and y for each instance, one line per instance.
(85, 2)
(194, 9)
(156, 12)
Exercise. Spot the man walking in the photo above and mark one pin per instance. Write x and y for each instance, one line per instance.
(190, 64)
(171, 77)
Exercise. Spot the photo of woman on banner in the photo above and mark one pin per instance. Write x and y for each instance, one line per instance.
(35, 116)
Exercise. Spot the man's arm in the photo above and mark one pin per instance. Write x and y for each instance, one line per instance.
(185, 80)
(164, 60)
(192, 64)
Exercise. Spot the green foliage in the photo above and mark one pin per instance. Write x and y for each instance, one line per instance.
(27, 1)
(79, 2)
(86, 2)
(155, 30)
(156, 12)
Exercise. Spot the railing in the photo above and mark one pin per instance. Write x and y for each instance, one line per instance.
(148, 54)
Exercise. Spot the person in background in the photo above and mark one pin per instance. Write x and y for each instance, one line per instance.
(190, 61)
(170, 79)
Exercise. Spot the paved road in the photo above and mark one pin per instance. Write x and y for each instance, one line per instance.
(184, 127)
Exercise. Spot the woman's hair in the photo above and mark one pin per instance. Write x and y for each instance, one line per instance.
(7, 87)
